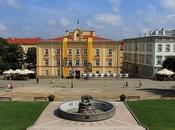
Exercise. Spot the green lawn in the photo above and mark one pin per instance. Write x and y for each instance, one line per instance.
(19, 115)
(155, 114)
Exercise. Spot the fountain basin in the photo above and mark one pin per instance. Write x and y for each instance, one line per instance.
(69, 110)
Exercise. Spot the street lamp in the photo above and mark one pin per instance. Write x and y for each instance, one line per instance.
(72, 76)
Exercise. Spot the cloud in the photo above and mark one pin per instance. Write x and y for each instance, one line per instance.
(51, 22)
(152, 8)
(116, 4)
(168, 4)
(10, 3)
(101, 20)
(64, 22)
(2, 28)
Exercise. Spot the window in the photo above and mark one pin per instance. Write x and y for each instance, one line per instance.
(97, 52)
(141, 58)
(85, 52)
(70, 72)
(109, 51)
(125, 47)
(110, 62)
(69, 52)
(85, 62)
(69, 62)
(130, 47)
(97, 62)
(159, 48)
(46, 51)
(148, 59)
(46, 62)
(46, 72)
(57, 51)
(129, 57)
(58, 62)
(167, 48)
(77, 52)
(77, 63)
(149, 47)
(159, 60)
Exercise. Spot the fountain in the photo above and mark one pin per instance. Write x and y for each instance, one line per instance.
(87, 110)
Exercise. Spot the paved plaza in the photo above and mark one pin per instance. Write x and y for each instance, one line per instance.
(122, 120)
(106, 89)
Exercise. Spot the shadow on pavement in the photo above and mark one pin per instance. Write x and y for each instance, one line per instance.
(161, 92)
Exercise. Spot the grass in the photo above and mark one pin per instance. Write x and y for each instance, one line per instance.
(19, 115)
(155, 114)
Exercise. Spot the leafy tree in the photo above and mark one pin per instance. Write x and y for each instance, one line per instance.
(169, 63)
(11, 56)
(31, 57)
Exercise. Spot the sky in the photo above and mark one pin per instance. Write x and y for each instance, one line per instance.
(114, 19)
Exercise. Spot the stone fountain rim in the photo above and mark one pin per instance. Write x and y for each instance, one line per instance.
(112, 109)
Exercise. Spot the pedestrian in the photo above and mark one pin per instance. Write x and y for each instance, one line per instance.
(126, 84)
(37, 80)
(140, 84)
(8, 87)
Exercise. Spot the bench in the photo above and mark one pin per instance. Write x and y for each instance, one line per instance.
(133, 98)
(40, 98)
(167, 97)
(5, 98)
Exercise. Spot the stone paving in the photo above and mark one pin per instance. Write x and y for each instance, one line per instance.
(122, 120)
(106, 89)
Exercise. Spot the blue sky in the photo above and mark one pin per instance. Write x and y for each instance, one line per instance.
(115, 19)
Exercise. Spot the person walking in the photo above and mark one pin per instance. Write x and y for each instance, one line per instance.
(126, 84)
(140, 84)
(37, 80)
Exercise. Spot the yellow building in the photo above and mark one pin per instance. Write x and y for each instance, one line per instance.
(78, 52)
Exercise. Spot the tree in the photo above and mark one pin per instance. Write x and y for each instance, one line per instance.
(11, 56)
(31, 57)
(169, 63)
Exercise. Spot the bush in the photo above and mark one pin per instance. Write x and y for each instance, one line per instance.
(122, 97)
(51, 98)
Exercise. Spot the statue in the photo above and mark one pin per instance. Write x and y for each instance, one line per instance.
(86, 106)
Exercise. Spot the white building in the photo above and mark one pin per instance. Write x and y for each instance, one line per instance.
(143, 56)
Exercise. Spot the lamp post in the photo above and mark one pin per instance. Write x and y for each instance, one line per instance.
(72, 77)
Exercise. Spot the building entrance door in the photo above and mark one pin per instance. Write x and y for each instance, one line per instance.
(77, 74)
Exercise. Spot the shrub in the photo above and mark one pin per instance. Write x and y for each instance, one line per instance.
(51, 98)
(122, 97)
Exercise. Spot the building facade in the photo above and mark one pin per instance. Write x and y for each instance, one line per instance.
(25, 43)
(76, 53)
(143, 56)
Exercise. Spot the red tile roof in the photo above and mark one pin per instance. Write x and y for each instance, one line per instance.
(25, 41)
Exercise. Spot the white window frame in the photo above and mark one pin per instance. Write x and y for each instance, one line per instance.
(46, 62)
(97, 52)
(58, 51)
(77, 52)
(70, 52)
(77, 62)
(46, 51)
(97, 62)
(85, 52)
(46, 72)
(167, 48)
(159, 49)
(69, 62)
(109, 62)
(110, 51)
(85, 62)
(159, 60)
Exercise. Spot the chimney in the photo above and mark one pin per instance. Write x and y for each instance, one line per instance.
(163, 32)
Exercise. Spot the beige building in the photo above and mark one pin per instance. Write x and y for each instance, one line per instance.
(78, 52)
(25, 43)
